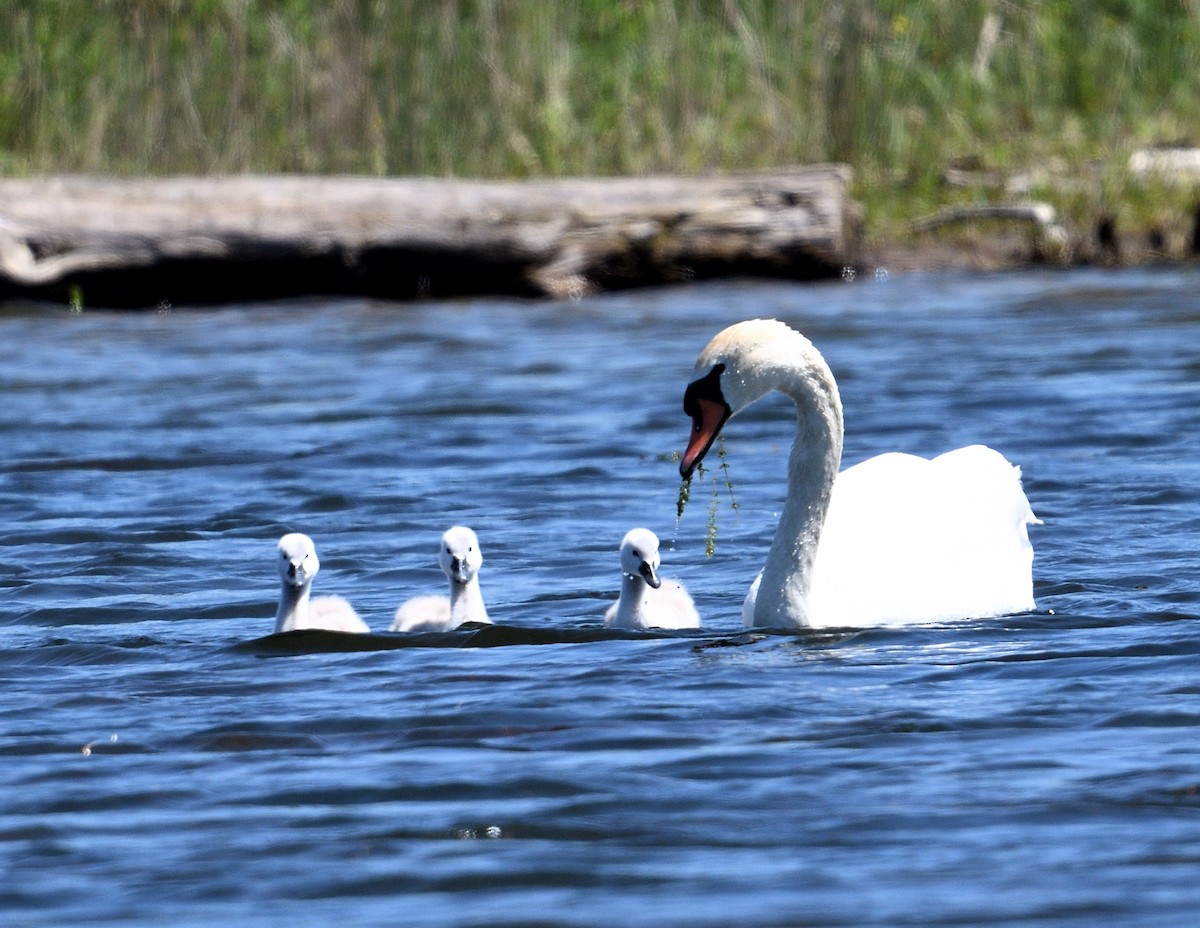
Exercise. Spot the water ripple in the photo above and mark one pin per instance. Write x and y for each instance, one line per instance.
(170, 761)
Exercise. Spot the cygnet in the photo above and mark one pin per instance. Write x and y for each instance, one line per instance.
(460, 560)
(647, 601)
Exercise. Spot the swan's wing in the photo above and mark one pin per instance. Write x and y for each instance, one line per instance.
(423, 614)
(986, 533)
(335, 614)
(749, 601)
(909, 540)
(670, 606)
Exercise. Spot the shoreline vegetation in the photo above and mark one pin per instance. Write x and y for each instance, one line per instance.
(940, 109)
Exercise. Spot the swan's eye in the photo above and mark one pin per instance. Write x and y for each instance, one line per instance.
(637, 553)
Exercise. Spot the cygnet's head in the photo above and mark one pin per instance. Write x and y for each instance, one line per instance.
(298, 562)
(459, 554)
(639, 556)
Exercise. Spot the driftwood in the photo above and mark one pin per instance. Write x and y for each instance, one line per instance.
(1050, 238)
(1041, 215)
(111, 242)
(1170, 165)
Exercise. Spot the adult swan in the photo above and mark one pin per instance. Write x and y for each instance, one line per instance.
(893, 540)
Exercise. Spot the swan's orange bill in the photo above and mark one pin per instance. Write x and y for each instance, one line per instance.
(705, 403)
(707, 419)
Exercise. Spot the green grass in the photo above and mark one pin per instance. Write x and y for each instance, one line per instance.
(597, 87)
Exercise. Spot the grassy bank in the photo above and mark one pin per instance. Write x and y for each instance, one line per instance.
(530, 88)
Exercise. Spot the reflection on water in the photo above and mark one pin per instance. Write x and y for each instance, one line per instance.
(168, 761)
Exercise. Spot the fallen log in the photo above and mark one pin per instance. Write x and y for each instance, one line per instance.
(1041, 215)
(1174, 165)
(187, 240)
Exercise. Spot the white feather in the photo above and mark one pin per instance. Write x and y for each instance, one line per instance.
(641, 604)
(893, 540)
(460, 558)
(298, 609)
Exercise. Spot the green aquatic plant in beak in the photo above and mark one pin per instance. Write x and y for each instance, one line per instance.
(710, 537)
(685, 492)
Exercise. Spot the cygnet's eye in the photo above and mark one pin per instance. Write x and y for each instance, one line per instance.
(636, 553)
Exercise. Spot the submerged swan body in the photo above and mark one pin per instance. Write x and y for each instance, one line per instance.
(298, 565)
(893, 540)
(460, 560)
(646, 601)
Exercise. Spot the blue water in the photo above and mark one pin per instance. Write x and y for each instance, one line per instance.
(164, 764)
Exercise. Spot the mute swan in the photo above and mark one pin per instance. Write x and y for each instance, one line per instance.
(460, 559)
(645, 600)
(901, 539)
(298, 565)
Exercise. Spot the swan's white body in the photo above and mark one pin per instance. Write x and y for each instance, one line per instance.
(460, 560)
(645, 600)
(893, 540)
(298, 609)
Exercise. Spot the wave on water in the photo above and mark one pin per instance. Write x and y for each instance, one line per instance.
(470, 635)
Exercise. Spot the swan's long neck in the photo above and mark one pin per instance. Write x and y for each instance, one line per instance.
(633, 597)
(812, 468)
(293, 607)
(466, 602)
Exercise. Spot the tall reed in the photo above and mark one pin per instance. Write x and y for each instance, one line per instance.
(529, 88)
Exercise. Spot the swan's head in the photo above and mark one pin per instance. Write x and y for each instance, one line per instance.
(298, 562)
(743, 363)
(639, 556)
(459, 554)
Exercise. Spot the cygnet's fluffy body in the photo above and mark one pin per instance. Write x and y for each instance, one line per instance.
(460, 560)
(298, 609)
(646, 601)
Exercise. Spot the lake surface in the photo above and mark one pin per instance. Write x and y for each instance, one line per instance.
(163, 764)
